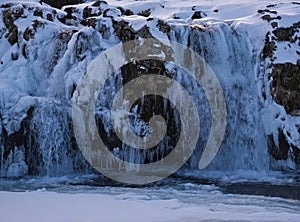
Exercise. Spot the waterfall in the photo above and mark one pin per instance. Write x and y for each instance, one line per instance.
(52, 146)
(48, 146)
(230, 54)
(51, 143)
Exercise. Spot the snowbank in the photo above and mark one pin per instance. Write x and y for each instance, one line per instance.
(54, 207)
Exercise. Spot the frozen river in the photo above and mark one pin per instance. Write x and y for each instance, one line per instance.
(89, 198)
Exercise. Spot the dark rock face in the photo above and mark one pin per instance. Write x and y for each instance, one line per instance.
(61, 3)
(286, 86)
(281, 152)
(287, 34)
(284, 149)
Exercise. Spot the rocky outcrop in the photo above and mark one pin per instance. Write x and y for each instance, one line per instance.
(283, 85)
(9, 17)
(286, 86)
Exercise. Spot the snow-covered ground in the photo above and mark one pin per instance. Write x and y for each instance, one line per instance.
(84, 199)
(111, 204)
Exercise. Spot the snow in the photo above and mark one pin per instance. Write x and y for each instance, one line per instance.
(286, 52)
(42, 205)
(136, 21)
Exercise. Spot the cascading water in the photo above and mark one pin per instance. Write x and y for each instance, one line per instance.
(230, 55)
(45, 126)
(51, 140)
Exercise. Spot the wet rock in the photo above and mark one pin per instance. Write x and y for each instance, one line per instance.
(279, 152)
(102, 25)
(24, 50)
(296, 154)
(151, 104)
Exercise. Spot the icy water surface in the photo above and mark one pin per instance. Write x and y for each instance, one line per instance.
(280, 188)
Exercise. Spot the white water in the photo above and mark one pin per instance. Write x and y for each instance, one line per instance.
(230, 56)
